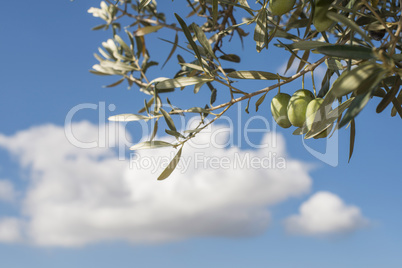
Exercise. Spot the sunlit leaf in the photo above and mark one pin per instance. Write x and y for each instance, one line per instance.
(171, 167)
(168, 119)
(182, 82)
(143, 4)
(255, 75)
(146, 30)
(359, 78)
(128, 117)
(199, 33)
(151, 145)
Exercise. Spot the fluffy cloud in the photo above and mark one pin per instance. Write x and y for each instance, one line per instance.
(323, 214)
(78, 196)
(10, 230)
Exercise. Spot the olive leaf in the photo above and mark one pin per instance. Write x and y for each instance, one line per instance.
(171, 167)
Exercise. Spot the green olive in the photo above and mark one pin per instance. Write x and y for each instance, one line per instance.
(279, 106)
(280, 7)
(311, 112)
(320, 20)
(297, 107)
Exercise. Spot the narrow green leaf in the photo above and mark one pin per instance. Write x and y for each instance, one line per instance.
(259, 101)
(143, 4)
(128, 117)
(300, 131)
(147, 30)
(182, 82)
(243, 6)
(197, 87)
(351, 24)
(176, 41)
(193, 130)
(199, 33)
(146, 105)
(193, 66)
(260, 31)
(187, 33)
(333, 64)
(359, 78)
(123, 44)
(306, 45)
(168, 119)
(352, 138)
(230, 57)
(198, 110)
(290, 62)
(389, 96)
(244, 3)
(324, 119)
(151, 145)
(214, 11)
(98, 27)
(212, 100)
(174, 133)
(116, 83)
(397, 102)
(255, 75)
(355, 108)
(155, 130)
(347, 52)
(248, 105)
(171, 167)
(303, 62)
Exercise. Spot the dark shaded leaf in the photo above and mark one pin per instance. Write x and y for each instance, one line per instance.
(355, 108)
(347, 52)
(187, 33)
(116, 83)
(230, 57)
(352, 138)
(260, 31)
(389, 96)
(351, 24)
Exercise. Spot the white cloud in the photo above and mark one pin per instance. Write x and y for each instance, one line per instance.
(324, 214)
(7, 192)
(80, 196)
(10, 230)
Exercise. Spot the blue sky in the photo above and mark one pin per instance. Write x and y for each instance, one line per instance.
(62, 206)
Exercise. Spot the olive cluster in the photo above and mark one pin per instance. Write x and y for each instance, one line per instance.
(298, 110)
